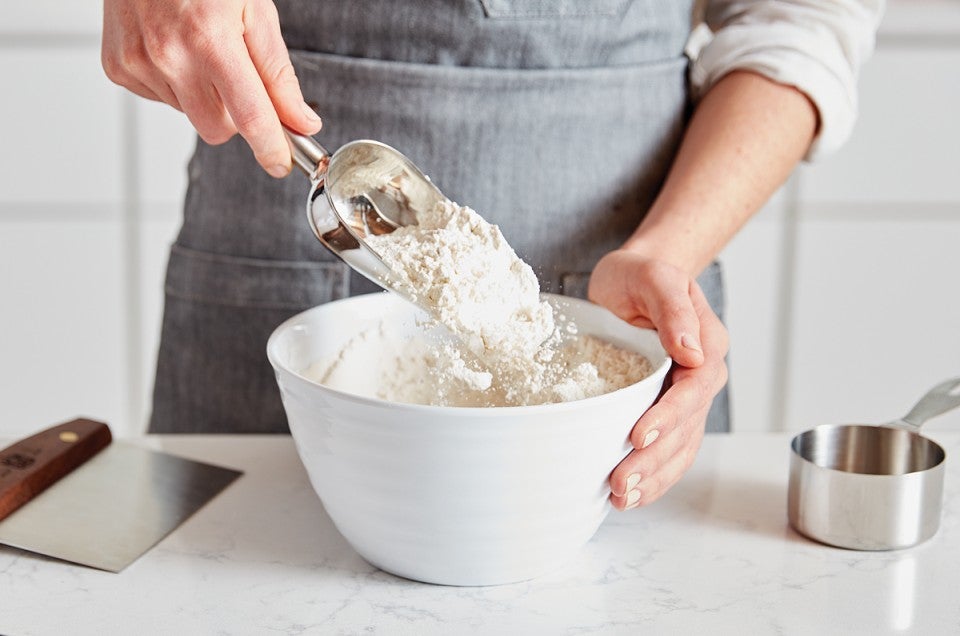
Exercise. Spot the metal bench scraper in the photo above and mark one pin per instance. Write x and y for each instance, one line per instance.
(69, 493)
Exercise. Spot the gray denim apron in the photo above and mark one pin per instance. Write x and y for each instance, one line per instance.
(555, 119)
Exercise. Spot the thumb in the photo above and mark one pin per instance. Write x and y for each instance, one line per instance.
(677, 323)
(270, 57)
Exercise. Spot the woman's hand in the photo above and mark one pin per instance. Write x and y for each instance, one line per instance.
(222, 62)
(650, 293)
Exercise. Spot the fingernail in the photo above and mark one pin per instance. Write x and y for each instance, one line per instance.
(310, 113)
(632, 481)
(279, 171)
(633, 499)
(650, 438)
(690, 342)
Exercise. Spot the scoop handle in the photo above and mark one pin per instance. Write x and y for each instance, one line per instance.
(308, 154)
(937, 401)
(31, 465)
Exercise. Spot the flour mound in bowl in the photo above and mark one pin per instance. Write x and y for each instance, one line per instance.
(424, 368)
(502, 346)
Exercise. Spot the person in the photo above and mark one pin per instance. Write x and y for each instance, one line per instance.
(567, 123)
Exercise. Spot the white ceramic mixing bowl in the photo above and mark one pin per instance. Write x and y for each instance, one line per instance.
(458, 496)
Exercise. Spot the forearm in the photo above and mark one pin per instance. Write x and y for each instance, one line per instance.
(746, 136)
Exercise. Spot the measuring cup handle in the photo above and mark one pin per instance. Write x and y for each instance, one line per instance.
(938, 400)
(309, 155)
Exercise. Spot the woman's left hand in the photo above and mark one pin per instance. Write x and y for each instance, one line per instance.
(651, 293)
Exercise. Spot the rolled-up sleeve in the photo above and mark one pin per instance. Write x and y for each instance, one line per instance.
(816, 46)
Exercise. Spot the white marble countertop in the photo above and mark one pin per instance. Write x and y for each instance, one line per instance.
(715, 556)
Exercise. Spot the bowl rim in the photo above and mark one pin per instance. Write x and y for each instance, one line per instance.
(657, 376)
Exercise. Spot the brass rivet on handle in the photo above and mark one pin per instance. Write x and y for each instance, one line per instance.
(69, 437)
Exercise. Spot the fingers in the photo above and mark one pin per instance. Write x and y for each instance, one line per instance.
(651, 293)
(160, 54)
(645, 476)
(246, 101)
(224, 64)
(666, 438)
(646, 291)
(139, 88)
(668, 435)
(691, 391)
(677, 320)
(713, 333)
(132, 68)
(272, 61)
(203, 106)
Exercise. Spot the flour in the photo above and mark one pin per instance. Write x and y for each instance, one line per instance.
(388, 364)
(508, 348)
(459, 266)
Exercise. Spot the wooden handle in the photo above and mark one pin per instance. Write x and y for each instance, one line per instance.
(32, 465)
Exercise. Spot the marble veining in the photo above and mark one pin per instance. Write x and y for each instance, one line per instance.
(715, 556)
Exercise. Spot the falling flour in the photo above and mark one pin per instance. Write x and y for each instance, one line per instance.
(508, 347)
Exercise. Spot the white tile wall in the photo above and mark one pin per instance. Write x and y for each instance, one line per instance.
(865, 319)
(59, 129)
(62, 328)
(157, 232)
(879, 224)
(164, 142)
(878, 317)
(51, 17)
(90, 193)
(841, 301)
(921, 19)
(905, 145)
(754, 266)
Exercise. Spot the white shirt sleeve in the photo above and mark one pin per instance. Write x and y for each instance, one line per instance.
(815, 45)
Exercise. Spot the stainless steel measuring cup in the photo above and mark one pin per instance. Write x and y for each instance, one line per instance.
(871, 487)
(365, 188)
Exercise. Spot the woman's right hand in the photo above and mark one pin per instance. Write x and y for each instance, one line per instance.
(652, 293)
(222, 62)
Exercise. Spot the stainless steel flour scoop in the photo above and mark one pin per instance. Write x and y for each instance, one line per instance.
(365, 188)
(871, 487)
